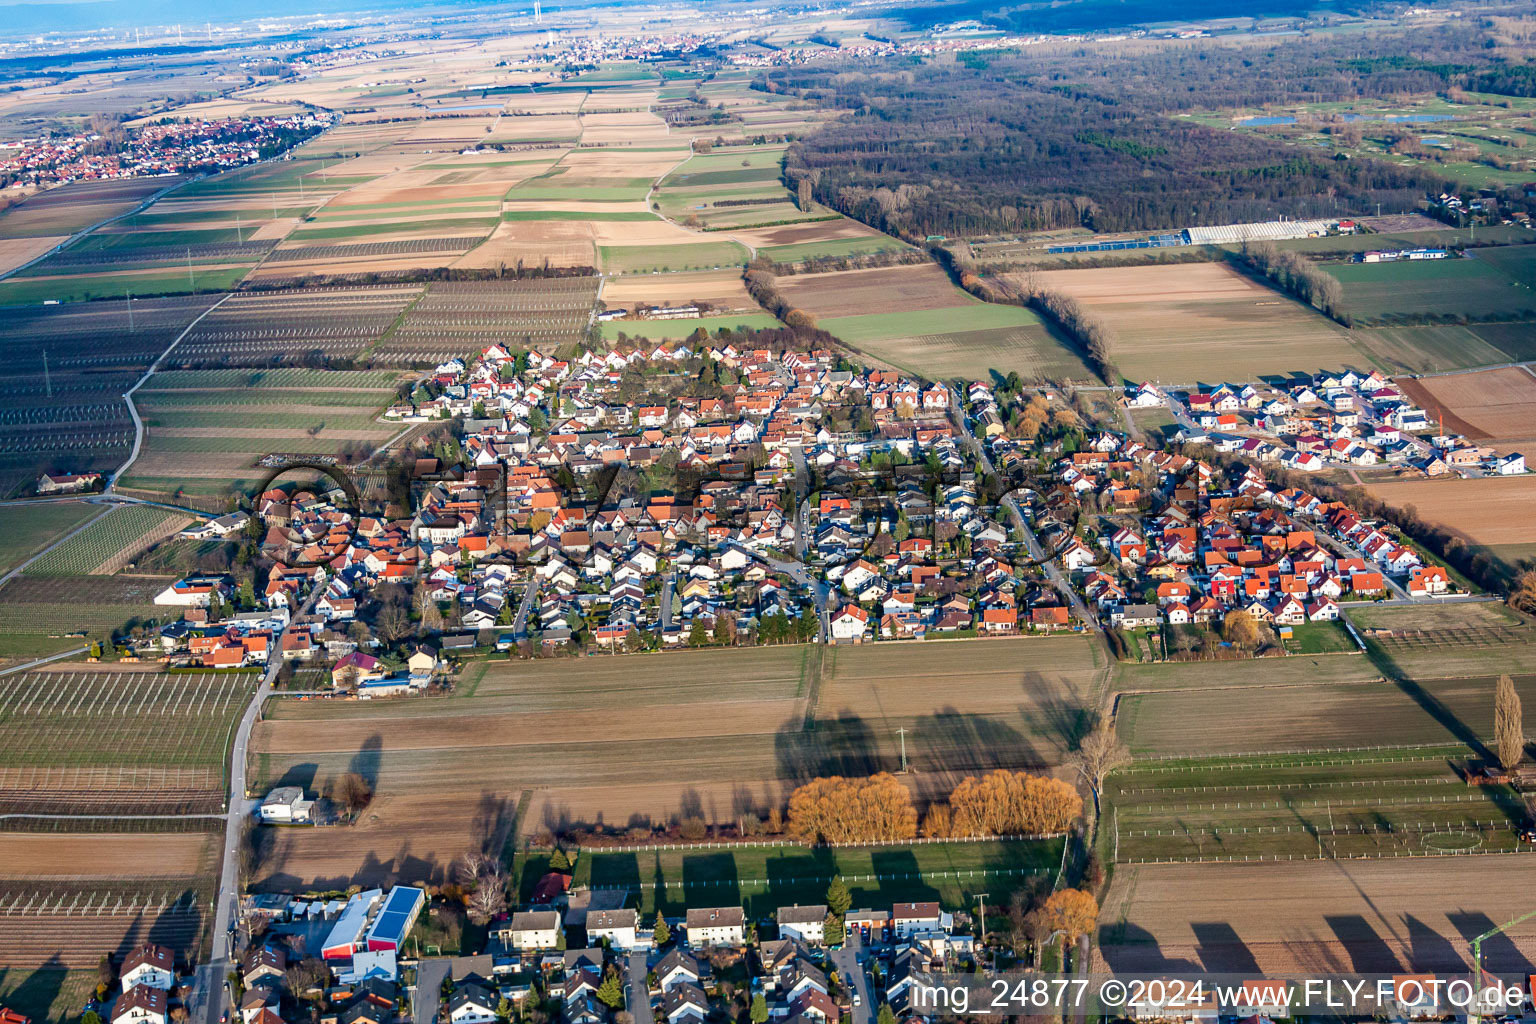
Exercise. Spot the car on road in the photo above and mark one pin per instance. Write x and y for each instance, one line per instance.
(1528, 834)
(856, 1000)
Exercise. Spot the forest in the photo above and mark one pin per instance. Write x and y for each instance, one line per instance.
(1007, 141)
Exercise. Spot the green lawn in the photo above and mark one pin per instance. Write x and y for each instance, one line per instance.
(657, 330)
(27, 529)
(642, 259)
(764, 878)
(456, 227)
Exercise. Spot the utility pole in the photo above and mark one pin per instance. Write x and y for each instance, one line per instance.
(47, 380)
(982, 898)
(238, 239)
(130, 312)
(190, 282)
(902, 732)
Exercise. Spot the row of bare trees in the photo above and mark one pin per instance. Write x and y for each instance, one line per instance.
(764, 289)
(1294, 273)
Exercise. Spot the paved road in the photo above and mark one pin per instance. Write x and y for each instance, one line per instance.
(427, 993)
(43, 661)
(637, 994)
(797, 571)
(530, 592)
(855, 979)
(802, 491)
(210, 992)
(668, 583)
(1031, 542)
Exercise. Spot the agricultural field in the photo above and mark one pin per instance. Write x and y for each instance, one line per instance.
(721, 289)
(51, 995)
(207, 429)
(70, 208)
(763, 879)
(41, 615)
(1433, 349)
(110, 542)
(1484, 405)
(1489, 513)
(649, 259)
(1303, 715)
(1385, 916)
(53, 925)
(258, 327)
(1189, 322)
(121, 742)
(524, 728)
(834, 238)
(456, 319)
(1487, 284)
(27, 529)
(63, 371)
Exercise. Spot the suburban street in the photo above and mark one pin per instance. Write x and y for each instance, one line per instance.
(668, 583)
(797, 571)
(530, 591)
(209, 990)
(856, 979)
(1031, 542)
(637, 994)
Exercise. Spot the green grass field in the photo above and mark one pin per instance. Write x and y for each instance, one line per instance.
(644, 259)
(658, 330)
(31, 291)
(46, 995)
(27, 529)
(617, 215)
(1492, 283)
(1429, 349)
(762, 879)
(834, 247)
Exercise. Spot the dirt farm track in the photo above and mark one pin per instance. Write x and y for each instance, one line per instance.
(1360, 916)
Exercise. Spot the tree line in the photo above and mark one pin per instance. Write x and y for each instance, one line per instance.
(1294, 273)
(879, 808)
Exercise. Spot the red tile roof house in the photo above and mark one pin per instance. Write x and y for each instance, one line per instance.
(154, 966)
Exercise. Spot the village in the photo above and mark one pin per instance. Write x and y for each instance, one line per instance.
(168, 146)
(669, 496)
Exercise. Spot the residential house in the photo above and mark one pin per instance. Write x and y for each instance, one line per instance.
(150, 965)
(804, 924)
(141, 1004)
(716, 926)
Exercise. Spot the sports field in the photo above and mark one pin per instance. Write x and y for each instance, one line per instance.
(1195, 321)
(762, 879)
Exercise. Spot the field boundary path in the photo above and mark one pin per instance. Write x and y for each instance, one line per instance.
(42, 661)
(72, 239)
(138, 421)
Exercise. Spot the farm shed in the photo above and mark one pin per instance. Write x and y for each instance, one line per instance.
(395, 920)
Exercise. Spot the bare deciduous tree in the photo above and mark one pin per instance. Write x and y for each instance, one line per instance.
(1508, 730)
(1100, 753)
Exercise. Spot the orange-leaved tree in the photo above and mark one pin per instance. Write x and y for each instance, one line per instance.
(1070, 911)
(1013, 803)
(839, 810)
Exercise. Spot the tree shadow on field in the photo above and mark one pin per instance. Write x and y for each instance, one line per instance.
(952, 745)
(711, 880)
(1368, 952)
(1432, 705)
(1429, 950)
(1220, 948)
(899, 879)
(1130, 948)
(1500, 954)
(368, 759)
(301, 775)
(844, 745)
(35, 994)
(493, 819)
(177, 927)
